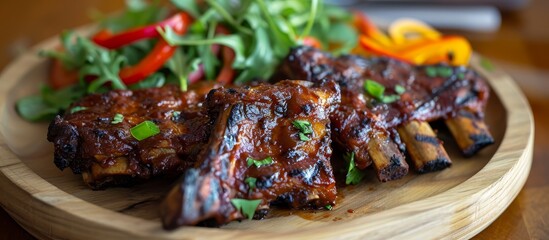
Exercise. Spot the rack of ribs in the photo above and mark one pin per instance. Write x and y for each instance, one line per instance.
(379, 132)
(277, 136)
(91, 143)
(272, 143)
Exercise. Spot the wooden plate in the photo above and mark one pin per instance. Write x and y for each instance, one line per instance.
(456, 203)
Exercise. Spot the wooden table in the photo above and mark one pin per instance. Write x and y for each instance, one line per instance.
(521, 46)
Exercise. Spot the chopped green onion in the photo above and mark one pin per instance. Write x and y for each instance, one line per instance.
(78, 109)
(303, 126)
(445, 72)
(377, 91)
(354, 175)
(251, 182)
(259, 163)
(390, 98)
(144, 130)
(329, 207)
(247, 207)
(374, 88)
(400, 89)
(118, 118)
(431, 71)
(303, 137)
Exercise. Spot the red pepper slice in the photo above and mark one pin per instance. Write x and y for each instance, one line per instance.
(107, 39)
(227, 72)
(161, 52)
(60, 77)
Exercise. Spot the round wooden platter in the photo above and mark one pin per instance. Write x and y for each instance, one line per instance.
(456, 203)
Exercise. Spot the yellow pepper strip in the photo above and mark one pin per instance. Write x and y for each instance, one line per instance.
(406, 30)
(411, 41)
(454, 50)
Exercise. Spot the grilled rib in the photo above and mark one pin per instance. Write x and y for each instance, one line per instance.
(106, 154)
(259, 123)
(427, 97)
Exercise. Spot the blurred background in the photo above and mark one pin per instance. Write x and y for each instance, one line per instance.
(513, 34)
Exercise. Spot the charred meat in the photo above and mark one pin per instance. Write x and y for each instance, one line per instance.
(269, 142)
(93, 138)
(411, 93)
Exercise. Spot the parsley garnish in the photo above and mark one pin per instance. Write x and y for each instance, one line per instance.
(78, 109)
(259, 163)
(377, 91)
(251, 182)
(118, 118)
(329, 207)
(354, 175)
(247, 207)
(304, 127)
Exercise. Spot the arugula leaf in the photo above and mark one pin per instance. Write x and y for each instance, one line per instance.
(247, 207)
(189, 6)
(259, 163)
(153, 81)
(354, 175)
(34, 109)
(233, 41)
(137, 13)
(228, 17)
(177, 65)
(48, 103)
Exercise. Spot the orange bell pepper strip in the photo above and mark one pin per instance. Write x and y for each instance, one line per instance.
(368, 28)
(454, 50)
(375, 48)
